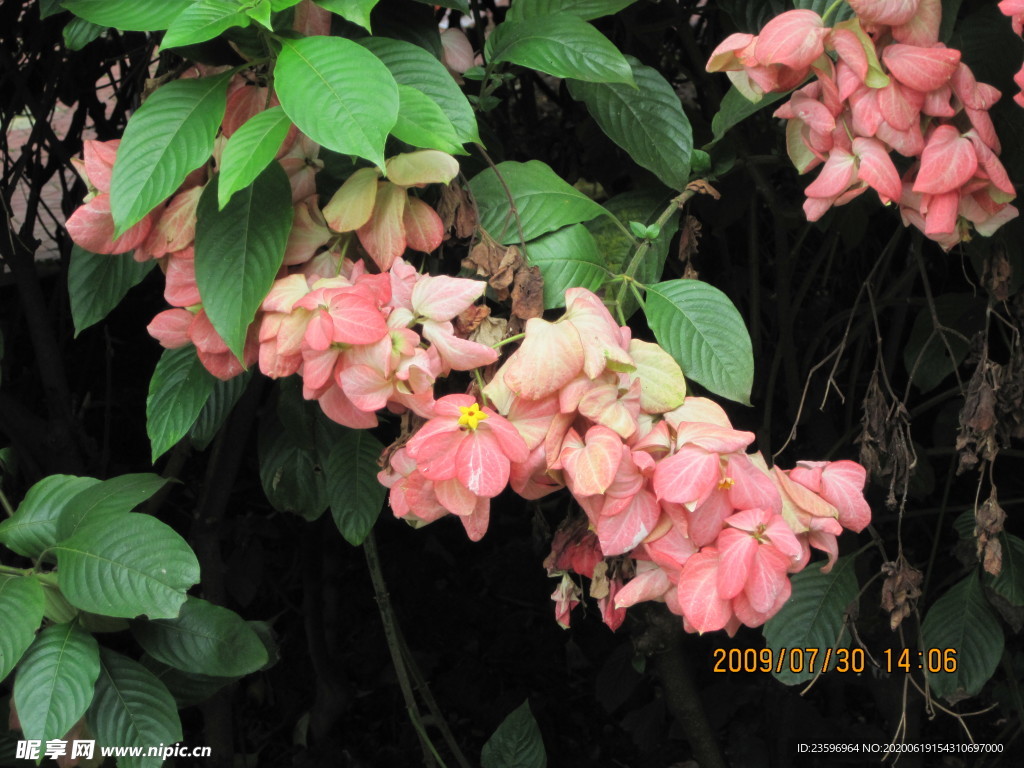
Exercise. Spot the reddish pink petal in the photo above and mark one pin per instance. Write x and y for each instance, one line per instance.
(170, 328)
(455, 497)
(621, 533)
(92, 228)
(477, 521)
(338, 408)
(948, 161)
(99, 157)
(923, 69)
(356, 319)
(836, 176)
(877, 170)
(842, 485)
(940, 218)
(728, 55)
(442, 297)
(651, 583)
(383, 236)
(482, 466)
(242, 104)
(923, 27)
(890, 12)
(793, 39)
(708, 518)
(736, 550)
(767, 577)
(697, 593)
(366, 387)
(424, 229)
(180, 289)
(751, 488)
(687, 476)
(550, 357)
(591, 469)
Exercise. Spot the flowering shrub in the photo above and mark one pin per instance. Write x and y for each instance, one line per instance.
(310, 205)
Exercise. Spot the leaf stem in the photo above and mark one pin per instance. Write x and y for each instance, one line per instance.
(387, 616)
(8, 509)
(676, 204)
(509, 340)
(830, 11)
(10, 570)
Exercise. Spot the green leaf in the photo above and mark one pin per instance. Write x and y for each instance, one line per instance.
(962, 620)
(114, 496)
(126, 565)
(97, 283)
(339, 94)
(356, 11)
(544, 201)
(701, 328)
(812, 617)
(458, 5)
(1009, 584)
(413, 66)
(167, 138)
(421, 123)
(290, 471)
(217, 409)
(205, 639)
(734, 109)
(650, 124)
(249, 150)
(55, 679)
(517, 743)
(48, 8)
(21, 611)
(584, 9)
(350, 471)
(187, 688)
(78, 33)
(203, 21)
(563, 46)
(239, 251)
(129, 15)
(132, 708)
(260, 13)
(821, 6)
(178, 391)
(33, 527)
(567, 258)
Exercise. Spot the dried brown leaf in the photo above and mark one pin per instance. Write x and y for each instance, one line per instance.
(528, 293)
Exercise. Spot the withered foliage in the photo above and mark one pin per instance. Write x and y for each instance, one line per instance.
(886, 450)
(457, 212)
(498, 263)
(900, 590)
(989, 519)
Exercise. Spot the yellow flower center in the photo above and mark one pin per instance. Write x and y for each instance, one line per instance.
(471, 416)
(726, 483)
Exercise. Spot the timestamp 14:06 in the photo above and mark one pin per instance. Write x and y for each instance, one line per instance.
(799, 660)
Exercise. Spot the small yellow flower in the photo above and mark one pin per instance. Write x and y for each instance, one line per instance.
(471, 416)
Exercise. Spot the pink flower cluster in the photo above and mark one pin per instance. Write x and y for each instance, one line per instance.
(664, 480)
(351, 335)
(892, 86)
(1015, 10)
